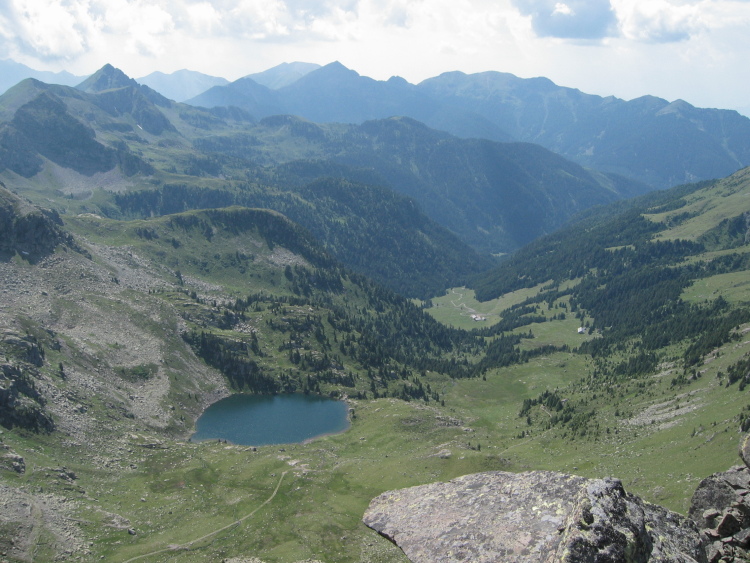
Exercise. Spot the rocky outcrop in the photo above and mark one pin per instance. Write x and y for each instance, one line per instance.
(745, 449)
(549, 517)
(10, 460)
(721, 507)
(28, 519)
(27, 230)
(21, 404)
(24, 347)
(537, 516)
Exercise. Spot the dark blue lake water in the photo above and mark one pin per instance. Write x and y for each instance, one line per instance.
(260, 420)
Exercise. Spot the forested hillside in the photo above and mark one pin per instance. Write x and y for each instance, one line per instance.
(117, 334)
(494, 196)
(657, 286)
(117, 148)
(371, 229)
(631, 269)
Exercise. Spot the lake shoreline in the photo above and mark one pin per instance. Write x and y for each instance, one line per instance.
(264, 420)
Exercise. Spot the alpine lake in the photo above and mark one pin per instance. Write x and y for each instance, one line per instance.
(261, 420)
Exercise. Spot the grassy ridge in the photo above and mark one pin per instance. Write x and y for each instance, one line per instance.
(370, 229)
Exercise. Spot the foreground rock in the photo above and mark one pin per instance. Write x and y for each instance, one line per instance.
(721, 506)
(538, 516)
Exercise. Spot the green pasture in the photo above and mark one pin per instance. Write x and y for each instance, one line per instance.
(733, 286)
(459, 303)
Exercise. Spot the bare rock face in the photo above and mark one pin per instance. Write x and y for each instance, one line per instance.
(537, 516)
(718, 491)
(609, 524)
(21, 403)
(745, 449)
(721, 506)
(26, 229)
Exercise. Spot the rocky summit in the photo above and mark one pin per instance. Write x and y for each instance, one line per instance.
(549, 517)
(537, 516)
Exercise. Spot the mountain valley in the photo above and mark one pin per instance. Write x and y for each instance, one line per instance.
(156, 257)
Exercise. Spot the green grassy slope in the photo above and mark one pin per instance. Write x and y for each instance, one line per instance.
(654, 391)
(121, 374)
(240, 299)
(117, 335)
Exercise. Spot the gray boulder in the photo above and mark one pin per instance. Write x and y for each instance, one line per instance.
(721, 506)
(745, 449)
(11, 461)
(717, 491)
(538, 516)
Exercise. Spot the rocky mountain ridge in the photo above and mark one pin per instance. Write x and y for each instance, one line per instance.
(182, 84)
(119, 136)
(655, 141)
(649, 139)
(12, 72)
(122, 342)
(28, 230)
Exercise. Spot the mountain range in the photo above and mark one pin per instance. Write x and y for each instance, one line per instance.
(611, 347)
(648, 139)
(181, 84)
(184, 84)
(492, 196)
(11, 73)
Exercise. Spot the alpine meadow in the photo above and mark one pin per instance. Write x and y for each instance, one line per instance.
(534, 302)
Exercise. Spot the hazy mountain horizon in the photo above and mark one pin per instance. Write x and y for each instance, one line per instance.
(12, 72)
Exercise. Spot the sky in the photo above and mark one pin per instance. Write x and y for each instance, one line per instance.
(698, 51)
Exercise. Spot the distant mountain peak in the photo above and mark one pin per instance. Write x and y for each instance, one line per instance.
(336, 69)
(452, 73)
(11, 73)
(398, 80)
(106, 78)
(332, 75)
(337, 66)
(283, 74)
(181, 84)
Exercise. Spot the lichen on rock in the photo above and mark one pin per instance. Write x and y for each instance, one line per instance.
(537, 516)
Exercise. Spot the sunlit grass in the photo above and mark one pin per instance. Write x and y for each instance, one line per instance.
(459, 303)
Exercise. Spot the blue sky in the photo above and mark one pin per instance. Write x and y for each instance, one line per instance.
(694, 50)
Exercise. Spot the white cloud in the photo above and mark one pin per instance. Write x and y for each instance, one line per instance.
(258, 19)
(573, 19)
(658, 20)
(693, 49)
(562, 9)
(203, 19)
(143, 26)
(340, 25)
(53, 29)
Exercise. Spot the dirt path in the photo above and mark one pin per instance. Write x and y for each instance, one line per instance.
(37, 526)
(526, 441)
(190, 544)
(461, 306)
